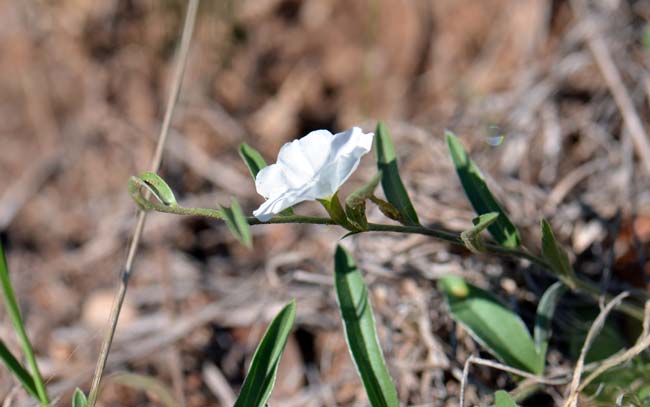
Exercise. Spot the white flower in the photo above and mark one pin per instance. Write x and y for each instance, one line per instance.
(313, 167)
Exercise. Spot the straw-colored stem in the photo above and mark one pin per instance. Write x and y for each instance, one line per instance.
(188, 28)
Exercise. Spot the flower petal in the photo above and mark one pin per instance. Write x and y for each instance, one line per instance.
(278, 203)
(316, 147)
(347, 149)
(312, 167)
(271, 181)
(295, 164)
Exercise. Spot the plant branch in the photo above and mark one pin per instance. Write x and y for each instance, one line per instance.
(438, 233)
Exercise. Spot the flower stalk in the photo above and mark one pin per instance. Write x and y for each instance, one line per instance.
(333, 207)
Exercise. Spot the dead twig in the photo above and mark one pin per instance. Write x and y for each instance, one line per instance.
(642, 343)
(499, 366)
(614, 82)
(188, 28)
(218, 384)
(596, 327)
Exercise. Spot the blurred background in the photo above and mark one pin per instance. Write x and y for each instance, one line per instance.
(550, 97)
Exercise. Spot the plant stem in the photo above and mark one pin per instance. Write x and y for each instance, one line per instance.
(442, 234)
(181, 62)
(14, 314)
(454, 238)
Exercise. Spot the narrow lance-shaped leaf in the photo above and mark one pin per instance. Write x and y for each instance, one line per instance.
(255, 162)
(360, 333)
(544, 319)
(264, 366)
(79, 398)
(482, 200)
(391, 182)
(472, 237)
(252, 158)
(503, 399)
(237, 223)
(491, 324)
(14, 366)
(555, 255)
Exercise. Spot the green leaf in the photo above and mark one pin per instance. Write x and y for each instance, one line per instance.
(503, 230)
(391, 182)
(544, 318)
(491, 324)
(79, 398)
(13, 310)
(360, 332)
(14, 366)
(252, 158)
(237, 223)
(555, 255)
(261, 374)
(472, 237)
(158, 188)
(503, 399)
(355, 204)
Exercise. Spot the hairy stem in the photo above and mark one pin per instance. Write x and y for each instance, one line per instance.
(452, 237)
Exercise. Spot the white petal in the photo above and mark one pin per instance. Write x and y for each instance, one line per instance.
(347, 149)
(316, 147)
(271, 181)
(310, 168)
(347, 142)
(295, 164)
(277, 204)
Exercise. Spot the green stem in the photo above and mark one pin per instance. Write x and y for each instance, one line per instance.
(14, 314)
(442, 234)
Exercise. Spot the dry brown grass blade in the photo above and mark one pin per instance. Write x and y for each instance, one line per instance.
(596, 327)
(505, 368)
(614, 82)
(642, 343)
(188, 28)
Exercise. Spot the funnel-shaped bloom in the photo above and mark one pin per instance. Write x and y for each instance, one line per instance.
(313, 167)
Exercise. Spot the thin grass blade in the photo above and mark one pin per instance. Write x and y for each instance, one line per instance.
(13, 310)
(491, 324)
(264, 366)
(391, 182)
(237, 223)
(359, 324)
(14, 366)
(482, 200)
(147, 384)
